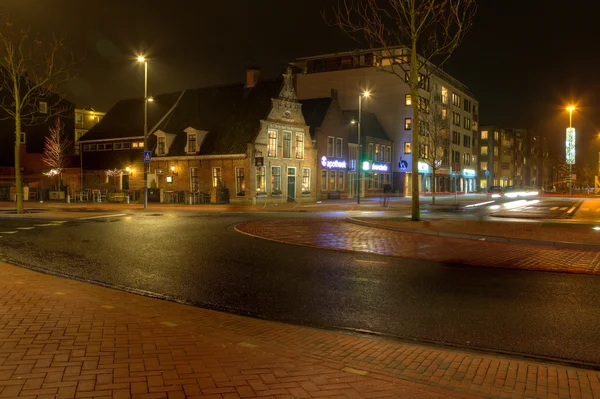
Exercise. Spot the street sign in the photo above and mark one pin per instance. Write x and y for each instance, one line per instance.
(487, 173)
(147, 156)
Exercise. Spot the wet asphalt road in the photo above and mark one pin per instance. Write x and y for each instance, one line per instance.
(201, 259)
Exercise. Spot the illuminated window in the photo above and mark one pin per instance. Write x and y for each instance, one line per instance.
(332, 180)
(340, 180)
(216, 177)
(407, 147)
(240, 182)
(43, 107)
(191, 144)
(484, 135)
(305, 180)
(484, 150)
(276, 180)
(272, 143)
(483, 166)
(299, 145)
(407, 100)
(377, 152)
(194, 185)
(455, 100)
(260, 179)
(287, 144)
(407, 123)
(444, 96)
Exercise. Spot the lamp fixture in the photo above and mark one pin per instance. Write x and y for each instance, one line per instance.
(173, 171)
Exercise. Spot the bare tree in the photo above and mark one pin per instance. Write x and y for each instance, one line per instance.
(31, 69)
(428, 30)
(57, 150)
(435, 136)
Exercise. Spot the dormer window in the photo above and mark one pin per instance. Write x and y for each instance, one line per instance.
(161, 146)
(191, 143)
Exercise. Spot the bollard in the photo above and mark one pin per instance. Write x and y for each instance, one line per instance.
(68, 199)
(128, 200)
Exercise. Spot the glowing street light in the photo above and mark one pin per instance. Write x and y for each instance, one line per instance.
(146, 100)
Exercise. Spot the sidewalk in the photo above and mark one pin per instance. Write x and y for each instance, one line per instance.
(62, 339)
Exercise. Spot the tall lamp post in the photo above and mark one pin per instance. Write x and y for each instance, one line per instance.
(360, 97)
(143, 59)
(570, 148)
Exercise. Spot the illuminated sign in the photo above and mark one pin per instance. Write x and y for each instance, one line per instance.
(366, 165)
(570, 146)
(423, 167)
(380, 167)
(335, 164)
(469, 172)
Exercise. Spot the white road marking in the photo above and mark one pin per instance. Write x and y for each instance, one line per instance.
(8, 232)
(59, 221)
(571, 210)
(554, 208)
(25, 228)
(104, 216)
(46, 225)
(564, 208)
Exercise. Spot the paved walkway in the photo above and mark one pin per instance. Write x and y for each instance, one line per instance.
(62, 339)
(342, 235)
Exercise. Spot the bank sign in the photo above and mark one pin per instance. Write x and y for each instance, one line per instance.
(333, 164)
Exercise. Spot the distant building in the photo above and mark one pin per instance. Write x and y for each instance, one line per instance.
(85, 119)
(350, 73)
(512, 157)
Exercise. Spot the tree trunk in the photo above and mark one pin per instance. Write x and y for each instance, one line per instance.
(18, 182)
(414, 95)
(433, 185)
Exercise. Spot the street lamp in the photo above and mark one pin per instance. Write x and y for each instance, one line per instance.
(360, 97)
(146, 99)
(570, 108)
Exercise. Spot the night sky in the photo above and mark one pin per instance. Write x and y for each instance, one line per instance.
(523, 59)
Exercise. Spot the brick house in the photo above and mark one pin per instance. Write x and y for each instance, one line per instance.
(238, 143)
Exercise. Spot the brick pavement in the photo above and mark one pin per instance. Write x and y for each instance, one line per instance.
(61, 338)
(341, 235)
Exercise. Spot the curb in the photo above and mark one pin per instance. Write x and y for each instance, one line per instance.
(481, 237)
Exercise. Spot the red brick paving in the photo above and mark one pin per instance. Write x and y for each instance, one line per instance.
(341, 235)
(62, 339)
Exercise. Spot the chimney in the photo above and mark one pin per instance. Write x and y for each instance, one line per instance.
(252, 76)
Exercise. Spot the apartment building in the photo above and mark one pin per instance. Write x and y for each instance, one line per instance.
(352, 73)
(85, 119)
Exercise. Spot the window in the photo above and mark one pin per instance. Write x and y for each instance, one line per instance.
(467, 141)
(467, 105)
(484, 135)
(388, 154)
(332, 180)
(376, 181)
(484, 150)
(424, 151)
(125, 146)
(483, 166)
(272, 143)
(455, 100)
(240, 182)
(300, 146)
(467, 123)
(339, 142)
(78, 118)
(134, 145)
(456, 157)
(191, 145)
(456, 118)
(407, 123)
(369, 178)
(108, 146)
(161, 146)
(407, 149)
(423, 105)
(340, 180)
(323, 180)
(407, 100)
(100, 147)
(287, 144)
(467, 159)
(260, 179)
(370, 151)
(444, 96)
(216, 177)
(89, 147)
(456, 138)
(444, 113)
(496, 136)
(377, 152)
(276, 180)
(43, 107)
(194, 185)
(330, 148)
(23, 138)
(306, 180)
(117, 146)
(496, 166)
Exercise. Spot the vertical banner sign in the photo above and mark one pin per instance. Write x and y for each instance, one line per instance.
(570, 146)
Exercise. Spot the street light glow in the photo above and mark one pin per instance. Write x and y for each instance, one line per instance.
(141, 58)
(366, 94)
(570, 108)
(150, 99)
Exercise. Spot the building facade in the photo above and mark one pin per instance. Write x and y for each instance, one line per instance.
(85, 119)
(352, 73)
(235, 143)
